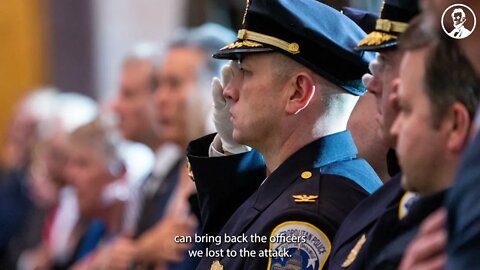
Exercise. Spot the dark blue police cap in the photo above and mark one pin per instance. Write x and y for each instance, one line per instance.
(393, 21)
(366, 20)
(313, 34)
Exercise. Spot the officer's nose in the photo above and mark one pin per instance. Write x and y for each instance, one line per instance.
(231, 90)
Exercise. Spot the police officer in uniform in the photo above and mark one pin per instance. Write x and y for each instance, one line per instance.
(290, 96)
(428, 169)
(354, 237)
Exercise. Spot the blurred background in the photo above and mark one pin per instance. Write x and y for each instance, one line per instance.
(93, 134)
(78, 45)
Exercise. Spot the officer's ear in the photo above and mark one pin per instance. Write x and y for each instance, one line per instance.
(302, 89)
(459, 123)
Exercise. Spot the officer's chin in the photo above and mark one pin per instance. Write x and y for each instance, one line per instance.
(238, 138)
(409, 183)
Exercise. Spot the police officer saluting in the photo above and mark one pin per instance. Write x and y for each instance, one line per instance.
(354, 241)
(291, 93)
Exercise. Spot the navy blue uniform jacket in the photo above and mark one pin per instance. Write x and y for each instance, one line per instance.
(309, 194)
(392, 237)
(362, 222)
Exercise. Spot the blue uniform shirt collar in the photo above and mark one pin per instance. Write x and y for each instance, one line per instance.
(321, 152)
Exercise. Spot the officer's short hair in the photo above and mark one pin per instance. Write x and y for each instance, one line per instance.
(449, 76)
(283, 66)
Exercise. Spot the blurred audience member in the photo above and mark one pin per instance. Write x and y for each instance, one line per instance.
(135, 110)
(97, 172)
(22, 134)
(16, 204)
(181, 100)
(43, 194)
(136, 120)
(133, 103)
(183, 103)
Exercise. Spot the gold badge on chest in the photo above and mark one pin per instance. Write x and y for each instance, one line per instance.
(216, 265)
(352, 256)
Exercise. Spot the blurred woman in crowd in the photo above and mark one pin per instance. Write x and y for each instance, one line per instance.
(96, 171)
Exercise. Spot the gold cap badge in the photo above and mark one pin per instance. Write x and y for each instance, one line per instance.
(216, 265)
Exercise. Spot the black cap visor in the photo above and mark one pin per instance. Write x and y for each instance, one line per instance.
(239, 49)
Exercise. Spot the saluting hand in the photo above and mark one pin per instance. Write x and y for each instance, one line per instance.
(221, 113)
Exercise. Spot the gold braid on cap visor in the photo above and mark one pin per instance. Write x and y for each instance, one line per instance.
(250, 39)
(377, 37)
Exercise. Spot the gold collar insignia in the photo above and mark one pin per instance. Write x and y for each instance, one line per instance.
(305, 198)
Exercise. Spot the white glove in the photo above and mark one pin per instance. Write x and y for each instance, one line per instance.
(366, 79)
(374, 66)
(221, 112)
